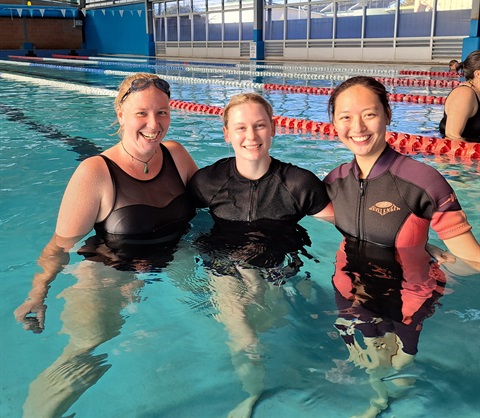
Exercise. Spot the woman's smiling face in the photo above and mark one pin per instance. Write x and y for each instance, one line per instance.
(250, 130)
(361, 121)
(145, 117)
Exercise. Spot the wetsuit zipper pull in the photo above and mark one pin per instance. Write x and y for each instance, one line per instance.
(362, 191)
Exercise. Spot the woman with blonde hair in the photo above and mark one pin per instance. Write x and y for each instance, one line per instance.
(133, 196)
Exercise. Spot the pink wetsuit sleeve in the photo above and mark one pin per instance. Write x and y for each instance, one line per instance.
(450, 224)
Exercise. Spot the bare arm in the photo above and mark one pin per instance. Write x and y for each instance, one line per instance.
(459, 107)
(87, 199)
(52, 260)
(183, 160)
(81, 206)
(466, 248)
(326, 214)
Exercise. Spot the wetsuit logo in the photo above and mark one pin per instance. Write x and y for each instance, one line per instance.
(451, 198)
(384, 207)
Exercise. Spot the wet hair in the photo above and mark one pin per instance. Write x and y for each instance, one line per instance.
(470, 65)
(243, 98)
(370, 83)
(122, 90)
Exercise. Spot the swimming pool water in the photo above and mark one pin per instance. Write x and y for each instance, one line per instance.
(157, 349)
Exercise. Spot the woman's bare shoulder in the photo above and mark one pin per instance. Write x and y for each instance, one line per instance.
(92, 168)
(173, 145)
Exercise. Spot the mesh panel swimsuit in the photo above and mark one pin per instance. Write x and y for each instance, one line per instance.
(256, 220)
(471, 132)
(154, 212)
(396, 204)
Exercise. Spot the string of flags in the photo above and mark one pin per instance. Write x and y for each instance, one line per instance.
(25, 11)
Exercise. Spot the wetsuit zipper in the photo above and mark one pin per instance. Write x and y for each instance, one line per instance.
(253, 200)
(361, 210)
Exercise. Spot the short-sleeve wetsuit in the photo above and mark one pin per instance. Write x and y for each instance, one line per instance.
(471, 132)
(256, 220)
(153, 213)
(285, 193)
(396, 204)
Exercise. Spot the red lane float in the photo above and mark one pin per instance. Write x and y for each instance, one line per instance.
(22, 57)
(414, 144)
(402, 142)
(393, 97)
(430, 73)
(73, 57)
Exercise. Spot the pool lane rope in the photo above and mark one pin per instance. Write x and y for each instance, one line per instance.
(250, 65)
(298, 74)
(403, 142)
(393, 97)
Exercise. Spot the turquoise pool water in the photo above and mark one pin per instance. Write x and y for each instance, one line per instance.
(151, 344)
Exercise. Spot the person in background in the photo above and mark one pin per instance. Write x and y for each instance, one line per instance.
(253, 248)
(133, 196)
(453, 66)
(461, 118)
(422, 6)
(385, 197)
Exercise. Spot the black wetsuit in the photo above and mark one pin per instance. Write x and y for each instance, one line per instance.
(396, 204)
(285, 193)
(256, 220)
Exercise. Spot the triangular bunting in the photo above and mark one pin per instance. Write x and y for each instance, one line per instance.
(121, 13)
(19, 11)
(42, 11)
(103, 11)
(113, 12)
(31, 12)
(139, 13)
(63, 12)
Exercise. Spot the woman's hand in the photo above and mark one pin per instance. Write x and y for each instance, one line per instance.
(53, 259)
(441, 255)
(36, 306)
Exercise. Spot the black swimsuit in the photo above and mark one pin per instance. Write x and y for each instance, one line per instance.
(471, 132)
(147, 210)
(147, 219)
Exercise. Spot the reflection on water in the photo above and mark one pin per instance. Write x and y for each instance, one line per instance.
(91, 316)
(248, 263)
(383, 296)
